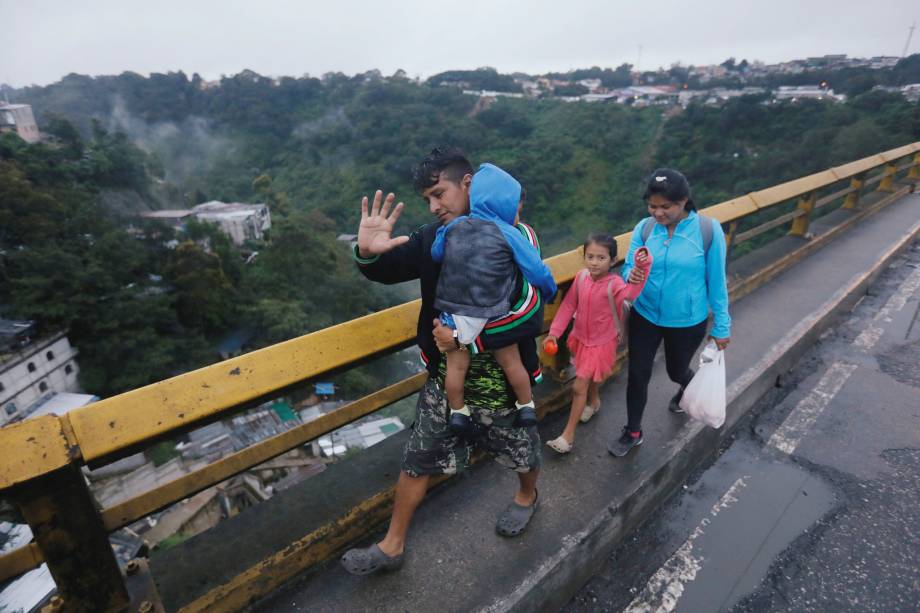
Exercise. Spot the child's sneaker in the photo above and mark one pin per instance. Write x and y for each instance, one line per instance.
(627, 441)
(460, 422)
(527, 415)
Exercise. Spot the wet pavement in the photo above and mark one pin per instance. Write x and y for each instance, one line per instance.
(812, 503)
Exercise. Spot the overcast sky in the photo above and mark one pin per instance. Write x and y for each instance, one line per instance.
(43, 40)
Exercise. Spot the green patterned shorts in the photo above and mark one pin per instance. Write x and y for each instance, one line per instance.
(433, 450)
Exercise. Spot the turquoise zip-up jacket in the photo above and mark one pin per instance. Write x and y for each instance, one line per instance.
(685, 282)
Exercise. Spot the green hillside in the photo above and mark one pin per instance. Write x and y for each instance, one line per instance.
(139, 311)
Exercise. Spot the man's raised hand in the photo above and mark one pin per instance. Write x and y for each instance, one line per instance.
(377, 226)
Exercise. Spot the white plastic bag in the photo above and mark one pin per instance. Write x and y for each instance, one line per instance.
(704, 398)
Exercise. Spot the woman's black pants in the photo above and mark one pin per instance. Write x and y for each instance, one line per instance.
(644, 337)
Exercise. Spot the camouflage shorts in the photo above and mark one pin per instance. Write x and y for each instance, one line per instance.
(433, 450)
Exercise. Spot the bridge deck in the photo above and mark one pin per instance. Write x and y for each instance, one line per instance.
(589, 500)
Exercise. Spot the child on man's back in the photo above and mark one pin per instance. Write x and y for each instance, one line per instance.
(481, 255)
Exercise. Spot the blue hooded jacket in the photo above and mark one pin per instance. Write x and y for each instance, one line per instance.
(686, 279)
(483, 249)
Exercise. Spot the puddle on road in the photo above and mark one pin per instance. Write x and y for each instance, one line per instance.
(902, 363)
(741, 536)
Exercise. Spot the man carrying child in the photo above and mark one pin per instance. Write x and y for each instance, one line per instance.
(444, 180)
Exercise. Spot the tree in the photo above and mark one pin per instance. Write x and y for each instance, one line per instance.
(204, 294)
(572, 89)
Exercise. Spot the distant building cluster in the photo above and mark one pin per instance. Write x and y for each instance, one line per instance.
(241, 222)
(650, 93)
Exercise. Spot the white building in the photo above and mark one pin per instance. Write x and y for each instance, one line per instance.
(358, 436)
(19, 118)
(30, 591)
(485, 93)
(241, 222)
(599, 97)
(794, 93)
(175, 218)
(883, 61)
(592, 84)
(59, 403)
(911, 91)
(32, 371)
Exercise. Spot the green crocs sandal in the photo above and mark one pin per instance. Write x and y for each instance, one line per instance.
(370, 560)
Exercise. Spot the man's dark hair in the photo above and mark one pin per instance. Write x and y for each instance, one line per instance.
(449, 161)
(670, 184)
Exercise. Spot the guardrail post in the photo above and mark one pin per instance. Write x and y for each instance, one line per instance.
(730, 240)
(67, 528)
(887, 182)
(852, 199)
(800, 224)
(914, 173)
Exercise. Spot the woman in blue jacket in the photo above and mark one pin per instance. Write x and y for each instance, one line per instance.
(686, 280)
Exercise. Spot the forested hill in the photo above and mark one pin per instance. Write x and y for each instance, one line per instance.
(311, 148)
(325, 142)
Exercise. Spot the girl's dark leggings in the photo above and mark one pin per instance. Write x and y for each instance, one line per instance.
(644, 337)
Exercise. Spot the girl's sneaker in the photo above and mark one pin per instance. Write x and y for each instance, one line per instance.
(627, 441)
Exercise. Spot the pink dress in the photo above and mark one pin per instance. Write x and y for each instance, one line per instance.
(593, 340)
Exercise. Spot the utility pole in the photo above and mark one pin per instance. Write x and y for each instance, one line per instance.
(639, 61)
(910, 34)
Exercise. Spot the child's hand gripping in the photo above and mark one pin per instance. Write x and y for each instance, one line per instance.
(638, 272)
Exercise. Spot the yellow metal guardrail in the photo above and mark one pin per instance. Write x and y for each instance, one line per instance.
(41, 456)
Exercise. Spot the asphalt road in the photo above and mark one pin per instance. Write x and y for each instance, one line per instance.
(812, 504)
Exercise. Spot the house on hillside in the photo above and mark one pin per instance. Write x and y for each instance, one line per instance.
(241, 222)
(32, 369)
(18, 118)
(174, 218)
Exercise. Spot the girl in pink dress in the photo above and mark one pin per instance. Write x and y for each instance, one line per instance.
(594, 336)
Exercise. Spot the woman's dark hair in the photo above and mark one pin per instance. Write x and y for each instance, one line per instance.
(604, 240)
(449, 161)
(671, 185)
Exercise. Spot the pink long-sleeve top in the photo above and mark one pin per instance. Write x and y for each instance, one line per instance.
(587, 300)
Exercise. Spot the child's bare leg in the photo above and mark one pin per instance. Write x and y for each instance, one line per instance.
(594, 392)
(579, 396)
(509, 358)
(458, 362)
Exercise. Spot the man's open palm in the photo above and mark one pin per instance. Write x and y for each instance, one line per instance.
(377, 226)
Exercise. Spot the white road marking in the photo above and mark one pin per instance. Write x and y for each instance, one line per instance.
(868, 337)
(806, 412)
(666, 586)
